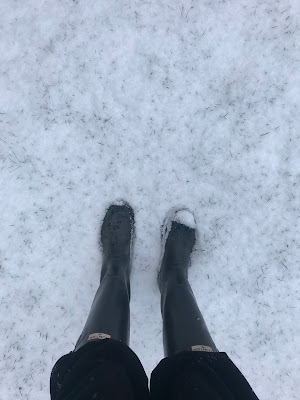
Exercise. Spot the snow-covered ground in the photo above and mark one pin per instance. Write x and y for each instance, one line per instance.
(164, 104)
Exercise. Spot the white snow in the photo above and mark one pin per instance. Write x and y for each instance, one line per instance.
(185, 217)
(119, 202)
(164, 104)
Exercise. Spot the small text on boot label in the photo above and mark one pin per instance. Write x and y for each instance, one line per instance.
(99, 335)
(201, 347)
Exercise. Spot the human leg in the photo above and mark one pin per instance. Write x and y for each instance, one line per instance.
(109, 316)
(183, 325)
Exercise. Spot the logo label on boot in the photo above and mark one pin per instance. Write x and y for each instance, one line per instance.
(201, 347)
(99, 335)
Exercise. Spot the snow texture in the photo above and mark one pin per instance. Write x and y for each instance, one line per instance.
(163, 104)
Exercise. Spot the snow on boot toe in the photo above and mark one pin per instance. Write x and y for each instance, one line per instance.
(178, 240)
(185, 217)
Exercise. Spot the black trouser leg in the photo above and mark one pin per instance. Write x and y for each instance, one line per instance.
(110, 312)
(183, 324)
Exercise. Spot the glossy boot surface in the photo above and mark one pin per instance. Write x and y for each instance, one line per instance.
(183, 325)
(109, 316)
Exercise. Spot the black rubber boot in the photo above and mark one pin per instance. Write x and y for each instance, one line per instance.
(116, 241)
(110, 313)
(183, 325)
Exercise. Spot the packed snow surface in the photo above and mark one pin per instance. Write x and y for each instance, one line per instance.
(166, 105)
